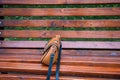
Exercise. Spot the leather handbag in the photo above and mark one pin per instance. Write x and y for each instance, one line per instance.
(52, 47)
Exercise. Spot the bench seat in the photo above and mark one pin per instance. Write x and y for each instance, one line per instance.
(90, 38)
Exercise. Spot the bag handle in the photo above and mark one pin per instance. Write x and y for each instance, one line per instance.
(58, 62)
(50, 66)
(57, 65)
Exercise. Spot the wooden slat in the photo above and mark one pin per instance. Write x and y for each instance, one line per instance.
(61, 23)
(43, 77)
(66, 44)
(64, 70)
(65, 60)
(59, 2)
(64, 57)
(59, 12)
(21, 51)
(101, 53)
(64, 34)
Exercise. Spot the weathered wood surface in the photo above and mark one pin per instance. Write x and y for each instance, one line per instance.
(66, 44)
(70, 52)
(60, 12)
(65, 60)
(64, 69)
(42, 77)
(59, 2)
(79, 60)
(61, 23)
(64, 34)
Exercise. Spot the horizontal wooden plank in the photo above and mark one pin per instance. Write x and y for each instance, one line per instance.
(66, 44)
(59, 2)
(64, 34)
(61, 23)
(64, 57)
(21, 51)
(64, 70)
(100, 53)
(43, 77)
(59, 12)
(65, 60)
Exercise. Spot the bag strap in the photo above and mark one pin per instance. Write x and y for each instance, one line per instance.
(57, 65)
(50, 66)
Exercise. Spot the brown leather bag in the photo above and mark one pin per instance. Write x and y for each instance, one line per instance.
(52, 47)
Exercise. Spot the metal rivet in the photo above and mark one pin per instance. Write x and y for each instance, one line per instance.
(0, 22)
(0, 32)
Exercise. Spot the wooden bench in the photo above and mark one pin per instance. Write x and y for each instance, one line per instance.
(81, 58)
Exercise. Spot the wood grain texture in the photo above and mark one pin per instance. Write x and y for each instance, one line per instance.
(66, 44)
(61, 23)
(59, 2)
(64, 70)
(101, 59)
(42, 77)
(65, 60)
(59, 12)
(64, 34)
(70, 52)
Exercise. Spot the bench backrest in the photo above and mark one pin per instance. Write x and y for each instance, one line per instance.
(70, 19)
